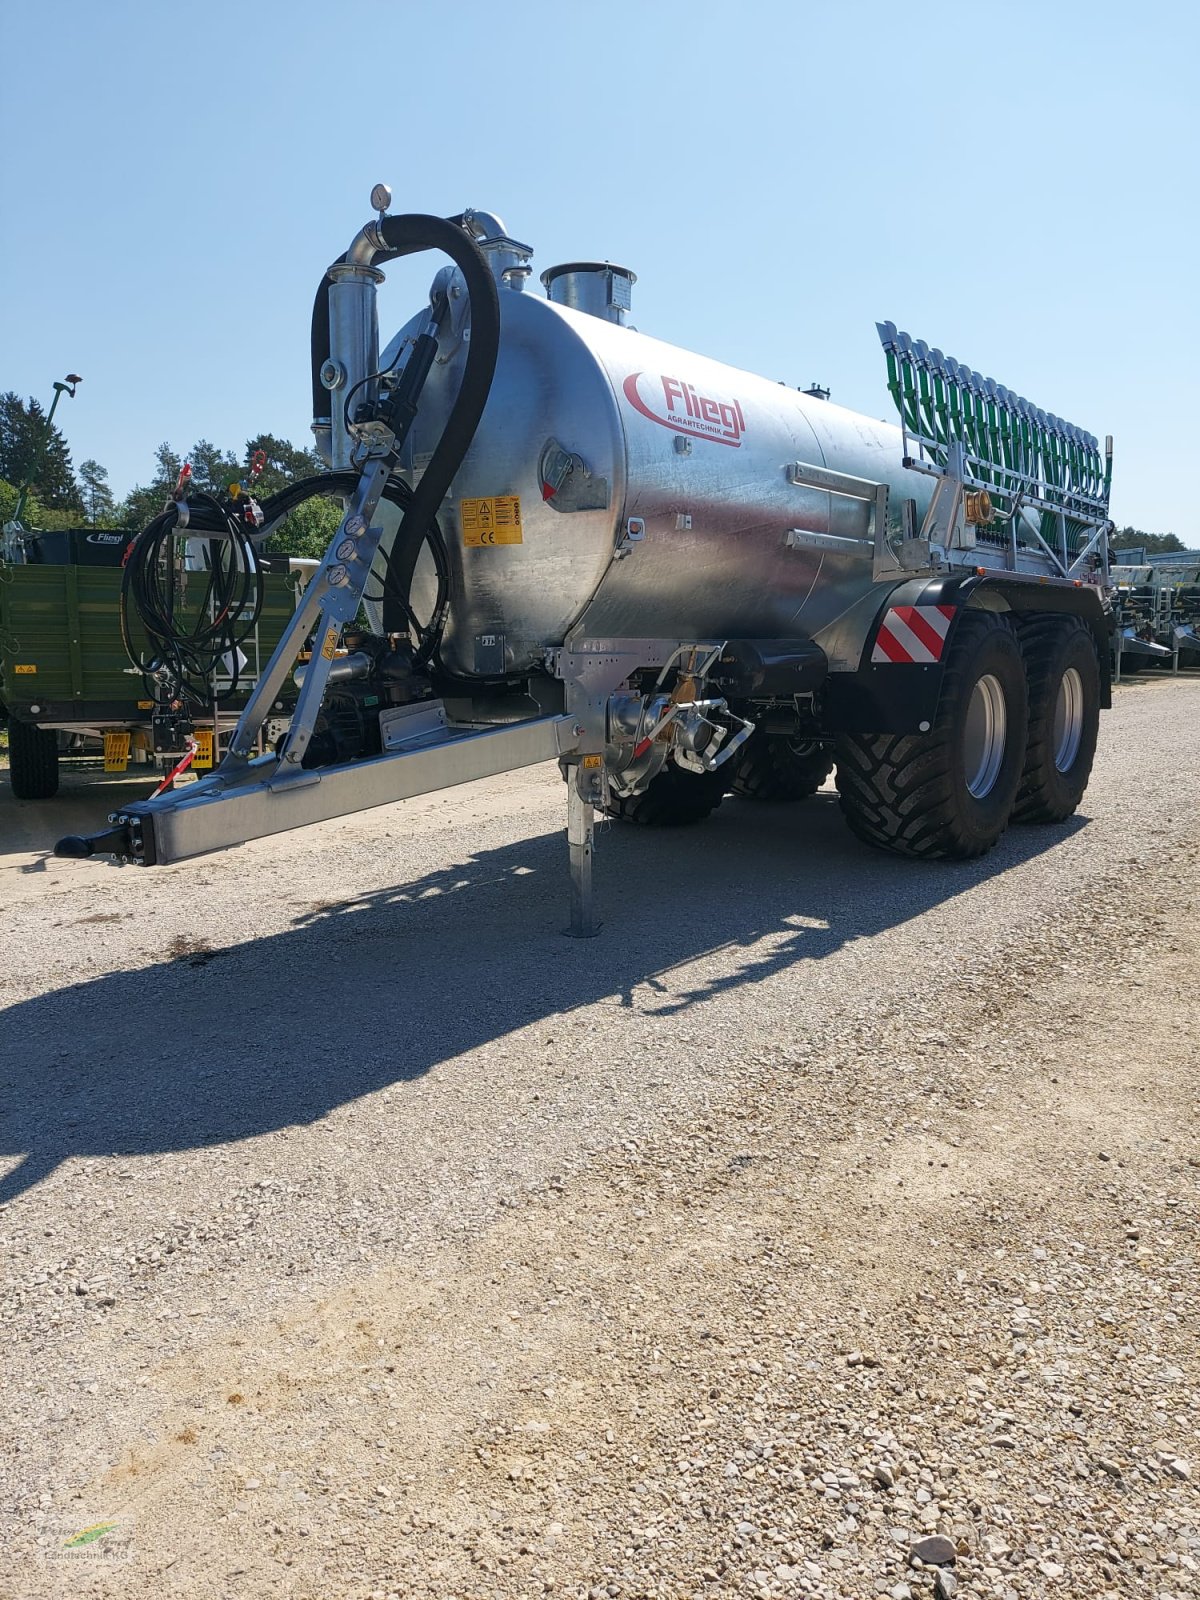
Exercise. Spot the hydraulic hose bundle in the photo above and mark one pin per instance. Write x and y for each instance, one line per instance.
(192, 637)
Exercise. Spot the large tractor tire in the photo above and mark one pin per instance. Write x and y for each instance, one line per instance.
(776, 767)
(673, 799)
(1063, 673)
(32, 761)
(949, 792)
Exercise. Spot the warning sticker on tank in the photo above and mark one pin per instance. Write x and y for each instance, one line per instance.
(495, 520)
(28, 667)
(203, 759)
(329, 648)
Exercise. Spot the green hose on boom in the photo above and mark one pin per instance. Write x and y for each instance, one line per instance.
(1023, 455)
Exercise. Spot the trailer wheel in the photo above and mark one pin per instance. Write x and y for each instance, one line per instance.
(32, 760)
(948, 792)
(776, 767)
(673, 799)
(1063, 672)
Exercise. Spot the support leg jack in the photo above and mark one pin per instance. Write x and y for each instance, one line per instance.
(583, 793)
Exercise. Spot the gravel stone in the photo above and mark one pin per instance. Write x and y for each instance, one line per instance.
(935, 1550)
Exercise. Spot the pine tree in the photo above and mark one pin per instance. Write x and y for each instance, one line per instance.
(213, 469)
(169, 464)
(144, 502)
(33, 451)
(285, 463)
(306, 532)
(98, 503)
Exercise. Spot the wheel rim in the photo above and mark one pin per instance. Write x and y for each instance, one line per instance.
(984, 736)
(1068, 720)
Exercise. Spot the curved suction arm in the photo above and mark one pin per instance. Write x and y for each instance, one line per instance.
(387, 240)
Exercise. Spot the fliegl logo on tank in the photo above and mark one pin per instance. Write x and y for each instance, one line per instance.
(675, 404)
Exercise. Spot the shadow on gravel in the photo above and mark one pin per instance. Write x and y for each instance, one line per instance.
(381, 989)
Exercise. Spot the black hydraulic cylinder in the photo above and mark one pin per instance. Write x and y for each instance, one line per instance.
(398, 411)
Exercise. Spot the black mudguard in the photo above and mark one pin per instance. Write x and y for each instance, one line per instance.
(902, 697)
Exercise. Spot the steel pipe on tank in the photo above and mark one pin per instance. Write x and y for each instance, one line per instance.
(353, 349)
(345, 669)
(483, 224)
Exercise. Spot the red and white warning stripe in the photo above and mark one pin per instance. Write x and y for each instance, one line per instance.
(912, 633)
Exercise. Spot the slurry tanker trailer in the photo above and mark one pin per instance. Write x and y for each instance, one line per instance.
(564, 540)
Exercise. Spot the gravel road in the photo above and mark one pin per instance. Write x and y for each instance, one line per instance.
(825, 1227)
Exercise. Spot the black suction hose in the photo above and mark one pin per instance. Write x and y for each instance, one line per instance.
(321, 397)
(426, 635)
(405, 236)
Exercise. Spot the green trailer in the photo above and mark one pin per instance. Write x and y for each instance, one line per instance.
(65, 676)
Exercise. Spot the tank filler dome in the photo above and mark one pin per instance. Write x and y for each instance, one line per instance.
(600, 288)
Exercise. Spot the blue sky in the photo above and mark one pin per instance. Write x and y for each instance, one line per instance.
(1017, 184)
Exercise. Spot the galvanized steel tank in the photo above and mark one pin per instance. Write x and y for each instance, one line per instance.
(693, 453)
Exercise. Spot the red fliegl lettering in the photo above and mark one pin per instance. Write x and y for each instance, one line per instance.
(685, 410)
